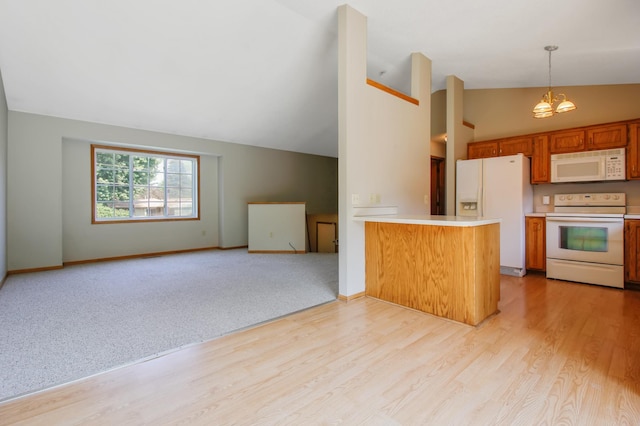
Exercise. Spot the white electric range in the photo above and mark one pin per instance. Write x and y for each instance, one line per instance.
(585, 238)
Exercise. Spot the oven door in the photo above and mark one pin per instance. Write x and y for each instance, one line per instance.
(586, 239)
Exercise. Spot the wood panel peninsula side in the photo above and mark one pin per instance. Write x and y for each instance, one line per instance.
(447, 266)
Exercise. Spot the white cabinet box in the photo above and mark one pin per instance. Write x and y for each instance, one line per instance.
(277, 227)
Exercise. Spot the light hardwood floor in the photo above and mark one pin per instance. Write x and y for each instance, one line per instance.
(557, 353)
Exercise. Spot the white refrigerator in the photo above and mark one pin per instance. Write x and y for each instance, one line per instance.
(498, 187)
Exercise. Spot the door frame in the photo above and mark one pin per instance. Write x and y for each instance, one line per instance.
(438, 188)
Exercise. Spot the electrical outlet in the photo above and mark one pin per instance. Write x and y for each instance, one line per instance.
(270, 234)
(426, 200)
(372, 198)
(355, 199)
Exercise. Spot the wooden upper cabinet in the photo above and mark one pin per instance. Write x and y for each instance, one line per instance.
(566, 141)
(633, 152)
(514, 146)
(589, 139)
(482, 149)
(540, 146)
(606, 137)
(541, 160)
(499, 147)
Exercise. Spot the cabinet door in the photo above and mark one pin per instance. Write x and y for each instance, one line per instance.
(633, 152)
(535, 243)
(513, 146)
(570, 141)
(631, 250)
(482, 150)
(607, 137)
(541, 160)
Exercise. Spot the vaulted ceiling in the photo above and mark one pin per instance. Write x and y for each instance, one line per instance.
(264, 72)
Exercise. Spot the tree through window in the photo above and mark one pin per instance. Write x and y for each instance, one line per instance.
(143, 185)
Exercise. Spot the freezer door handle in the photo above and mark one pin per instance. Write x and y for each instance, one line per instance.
(481, 194)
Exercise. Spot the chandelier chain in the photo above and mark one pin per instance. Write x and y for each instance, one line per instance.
(549, 70)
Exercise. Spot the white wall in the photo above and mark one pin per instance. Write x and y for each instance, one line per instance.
(3, 180)
(277, 227)
(82, 240)
(458, 136)
(438, 149)
(383, 144)
(499, 113)
(49, 191)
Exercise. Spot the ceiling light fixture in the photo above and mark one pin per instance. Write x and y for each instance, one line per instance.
(545, 107)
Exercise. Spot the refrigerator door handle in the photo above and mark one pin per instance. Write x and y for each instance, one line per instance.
(481, 194)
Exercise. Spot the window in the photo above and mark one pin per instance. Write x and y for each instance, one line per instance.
(131, 185)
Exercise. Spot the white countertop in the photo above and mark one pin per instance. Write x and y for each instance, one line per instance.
(632, 216)
(536, 214)
(429, 220)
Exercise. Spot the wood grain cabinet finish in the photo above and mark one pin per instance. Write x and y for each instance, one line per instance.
(540, 146)
(500, 147)
(606, 137)
(514, 146)
(566, 141)
(632, 250)
(541, 160)
(633, 152)
(448, 271)
(482, 150)
(535, 243)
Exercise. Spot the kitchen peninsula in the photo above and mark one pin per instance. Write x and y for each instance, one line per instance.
(447, 266)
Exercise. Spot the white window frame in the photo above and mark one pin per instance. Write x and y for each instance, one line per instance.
(163, 187)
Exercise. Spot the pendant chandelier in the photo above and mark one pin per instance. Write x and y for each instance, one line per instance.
(545, 108)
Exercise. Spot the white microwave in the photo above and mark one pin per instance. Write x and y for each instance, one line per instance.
(588, 166)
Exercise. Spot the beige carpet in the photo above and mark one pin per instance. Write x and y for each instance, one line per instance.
(62, 325)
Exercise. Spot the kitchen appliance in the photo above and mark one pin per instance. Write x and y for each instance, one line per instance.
(498, 187)
(585, 166)
(585, 238)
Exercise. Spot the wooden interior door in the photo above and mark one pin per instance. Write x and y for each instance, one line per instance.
(437, 185)
(326, 238)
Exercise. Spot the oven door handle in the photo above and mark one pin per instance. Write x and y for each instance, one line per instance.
(585, 219)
